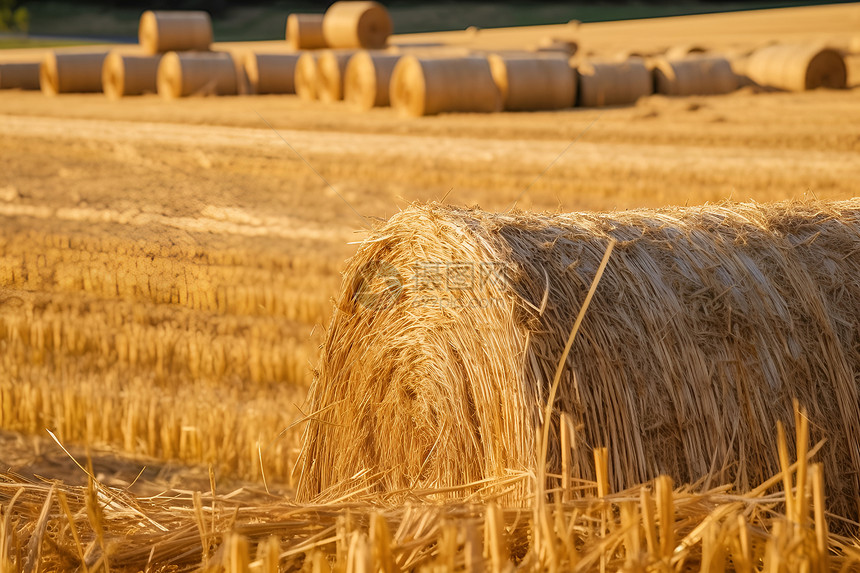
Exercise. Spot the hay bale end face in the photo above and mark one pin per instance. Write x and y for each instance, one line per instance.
(331, 68)
(707, 322)
(183, 74)
(698, 75)
(428, 86)
(71, 73)
(613, 83)
(305, 31)
(19, 75)
(271, 73)
(167, 31)
(367, 79)
(125, 75)
(357, 25)
(797, 67)
(306, 77)
(534, 83)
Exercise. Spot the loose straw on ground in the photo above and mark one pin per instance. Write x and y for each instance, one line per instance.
(425, 86)
(271, 73)
(697, 75)
(71, 73)
(613, 83)
(706, 324)
(305, 31)
(168, 31)
(128, 75)
(357, 25)
(367, 79)
(796, 67)
(534, 83)
(182, 74)
(19, 75)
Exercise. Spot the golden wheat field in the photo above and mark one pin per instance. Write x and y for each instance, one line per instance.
(216, 353)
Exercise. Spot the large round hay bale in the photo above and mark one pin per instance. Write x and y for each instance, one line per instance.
(128, 75)
(797, 67)
(168, 31)
(534, 83)
(71, 73)
(182, 74)
(699, 75)
(706, 324)
(271, 73)
(19, 75)
(357, 25)
(613, 83)
(682, 51)
(306, 77)
(425, 86)
(305, 31)
(331, 68)
(368, 78)
(552, 44)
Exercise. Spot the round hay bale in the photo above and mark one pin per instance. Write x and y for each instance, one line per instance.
(71, 73)
(425, 86)
(703, 75)
(797, 67)
(183, 74)
(306, 80)
(613, 83)
(682, 51)
(331, 67)
(127, 75)
(854, 46)
(271, 73)
(19, 75)
(560, 45)
(706, 324)
(534, 83)
(357, 25)
(305, 31)
(368, 78)
(168, 31)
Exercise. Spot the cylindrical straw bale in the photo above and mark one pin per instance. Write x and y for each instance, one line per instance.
(127, 75)
(797, 67)
(368, 78)
(551, 44)
(168, 31)
(698, 75)
(706, 324)
(19, 75)
(271, 73)
(71, 73)
(424, 86)
(305, 31)
(533, 83)
(614, 83)
(331, 68)
(683, 50)
(357, 25)
(306, 77)
(182, 74)
(854, 46)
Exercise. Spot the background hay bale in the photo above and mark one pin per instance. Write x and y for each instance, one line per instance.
(331, 68)
(71, 73)
(19, 75)
(427, 86)
(182, 74)
(613, 83)
(168, 31)
(305, 31)
(683, 50)
(271, 73)
(700, 75)
(706, 324)
(797, 67)
(128, 75)
(534, 83)
(357, 25)
(367, 79)
(306, 77)
(560, 45)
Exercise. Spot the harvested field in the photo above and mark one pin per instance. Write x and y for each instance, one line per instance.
(170, 269)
